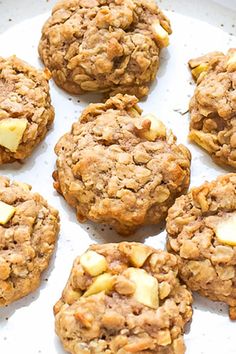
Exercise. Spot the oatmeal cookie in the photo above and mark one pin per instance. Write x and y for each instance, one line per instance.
(201, 230)
(213, 106)
(120, 168)
(28, 232)
(123, 298)
(104, 45)
(26, 112)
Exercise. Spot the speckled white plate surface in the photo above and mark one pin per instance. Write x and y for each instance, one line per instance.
(27, 326)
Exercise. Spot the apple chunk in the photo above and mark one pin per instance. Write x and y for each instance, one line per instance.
(137, 253)
(152, 128)
(198, 70)
(231, 63)
(226, 231)
(94, 263)
(160, 34)
(146, 287)
(11, 132)
(103, 282)
(70, 295)
(6, 212)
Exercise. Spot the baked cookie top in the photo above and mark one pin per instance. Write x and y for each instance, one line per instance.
(104, 45)
(118, 167)
(123, 298)
(201, 231)
(213, 106)
(28, 232)
(26, 112)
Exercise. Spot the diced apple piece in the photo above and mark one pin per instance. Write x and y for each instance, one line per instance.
(155, 128)
(231, 63)
(11, 132)
(103, 282)
(70, 296)
(139, 255)
(160, 34)
(133, 112)
(94, 263)
(146, 287)
(164, 289)
(6, 212)
(196, 72)
(226, 231)
(206, 140)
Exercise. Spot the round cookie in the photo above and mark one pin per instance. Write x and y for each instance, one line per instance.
(123, 298)
(26, 113)
(104, 45)
(213, 106)
(28, 232)
(201, 232)
(120, 168)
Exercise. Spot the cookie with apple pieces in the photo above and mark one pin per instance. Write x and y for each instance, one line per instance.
(123, 298)
(119, 167)
(108, 46)
(213, 106)
(26, 113)
(201, 230)
(28, 233)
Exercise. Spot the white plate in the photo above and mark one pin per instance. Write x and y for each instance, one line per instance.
(27, 326)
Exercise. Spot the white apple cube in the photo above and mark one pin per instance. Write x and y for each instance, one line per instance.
(231, 63)
(103, 282)
(11, 132)
(157, 128)
(139, 254)
(226, 231)
(70, 296)
(94, 263)
(6, 212)
(146, 287)
(160, 34)
(196, 72)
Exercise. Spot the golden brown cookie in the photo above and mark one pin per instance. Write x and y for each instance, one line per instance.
(201, 230)
(26, 113)
(118, 167)
(123, 298)
(104, 45)
(213, 106)
(28, 232)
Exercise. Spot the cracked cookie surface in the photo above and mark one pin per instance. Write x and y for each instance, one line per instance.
(201, 232)
(26, 113)
(27, 239)
(141, 307)
(213, 106)
(118, 167)
(104, 45)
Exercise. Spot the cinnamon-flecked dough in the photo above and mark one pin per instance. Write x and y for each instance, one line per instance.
(28, 232)
(118, 167)
(26, 113)
(213, 106)
(123, 298)
(201, 232)
(104, 45)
